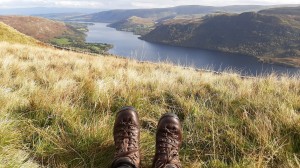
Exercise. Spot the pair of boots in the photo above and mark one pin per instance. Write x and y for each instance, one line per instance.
(127, 137)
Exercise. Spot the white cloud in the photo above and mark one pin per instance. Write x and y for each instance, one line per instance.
(135, 3)
(143, 4)
(52, 3)
(79, 4)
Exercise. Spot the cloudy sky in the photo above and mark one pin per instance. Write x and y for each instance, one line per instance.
(113, 4)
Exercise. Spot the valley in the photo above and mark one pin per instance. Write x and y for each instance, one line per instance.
(271, 35)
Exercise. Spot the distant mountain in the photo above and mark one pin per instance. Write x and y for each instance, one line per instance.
(60, 16)
(248, 33)
(11, 35)
(290, 14)
(39, 28)
(293, 11)
(44, 10)
(159, 13)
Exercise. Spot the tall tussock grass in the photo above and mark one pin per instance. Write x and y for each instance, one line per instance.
(57, 109)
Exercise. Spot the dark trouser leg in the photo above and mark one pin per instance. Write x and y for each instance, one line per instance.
(121, 163)
(125, 166)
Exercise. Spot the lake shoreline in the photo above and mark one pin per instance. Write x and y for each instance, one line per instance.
(266, 60)
(271, 61)
(128, 45)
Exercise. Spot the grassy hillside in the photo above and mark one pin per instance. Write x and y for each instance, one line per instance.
(135, 24)
(263, 36)
(57, 109)
(38, 28)
(11, 35)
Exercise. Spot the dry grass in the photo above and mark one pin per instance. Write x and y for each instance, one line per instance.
(57, 110)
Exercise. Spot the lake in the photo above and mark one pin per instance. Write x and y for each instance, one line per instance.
(127, 44)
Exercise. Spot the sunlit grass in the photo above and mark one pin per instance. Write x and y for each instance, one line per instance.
(57, 109)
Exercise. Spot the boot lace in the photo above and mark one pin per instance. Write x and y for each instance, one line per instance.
(126, 139)
(169, 145)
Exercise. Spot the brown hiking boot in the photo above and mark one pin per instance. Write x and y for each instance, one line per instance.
(127, 137)
(168, 142)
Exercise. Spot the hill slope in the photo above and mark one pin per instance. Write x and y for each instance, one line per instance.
(11, 35)
(69, 35)
(135, 24)
(247, 33)
(39, 28)
(57, 109)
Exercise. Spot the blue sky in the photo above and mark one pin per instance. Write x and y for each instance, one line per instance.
(113, 4)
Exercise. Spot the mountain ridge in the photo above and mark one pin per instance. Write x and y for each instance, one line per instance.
(112, 16)
(282, 11)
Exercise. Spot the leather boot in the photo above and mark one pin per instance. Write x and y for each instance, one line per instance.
(127, 137)
(168, 142)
